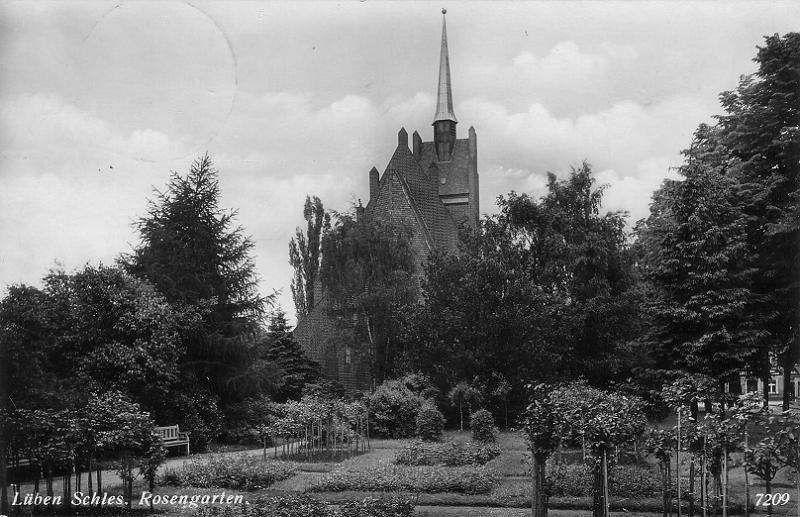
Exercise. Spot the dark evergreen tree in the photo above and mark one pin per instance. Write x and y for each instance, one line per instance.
(192, 251)
(282, 350)
(305, 251)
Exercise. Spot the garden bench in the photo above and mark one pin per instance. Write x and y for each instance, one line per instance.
(171, 436)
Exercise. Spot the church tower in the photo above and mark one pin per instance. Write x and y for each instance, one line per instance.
(444, 121)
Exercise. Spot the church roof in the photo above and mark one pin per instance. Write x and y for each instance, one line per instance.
(422, 191)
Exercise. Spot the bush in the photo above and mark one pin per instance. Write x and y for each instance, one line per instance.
(624, 481)
(377, 508)
(304, 506)
(482, 424)
(449, 454)
(394, 478)
(430, 423)
(393, 409)
(234, 472)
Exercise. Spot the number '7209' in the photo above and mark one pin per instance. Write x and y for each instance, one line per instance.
(776, 499)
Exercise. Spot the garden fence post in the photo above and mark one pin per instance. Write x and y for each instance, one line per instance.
(678, 463)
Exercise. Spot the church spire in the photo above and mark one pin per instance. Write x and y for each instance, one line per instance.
(444, 98)
(444, 121)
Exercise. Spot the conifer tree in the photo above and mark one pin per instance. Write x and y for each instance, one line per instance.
(282, 350)
(193, 252)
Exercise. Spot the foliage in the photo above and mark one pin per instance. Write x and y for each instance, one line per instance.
(548, 278)
(464, 394)
(305, 506)
(393, 409)
(305, 251)
(367, 269)
(236, 472)
(430, 423)
(97, 329)
(718, 251)
(624, 481)
(483, 429)
(759, 131)
(392, 478)
(194, 253)
(329, 424)
(282, 350)
(451, 454)
(694, 256)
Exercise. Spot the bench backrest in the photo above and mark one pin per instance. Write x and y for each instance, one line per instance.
(169, 432)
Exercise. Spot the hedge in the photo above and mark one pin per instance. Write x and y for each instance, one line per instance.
(234, 472)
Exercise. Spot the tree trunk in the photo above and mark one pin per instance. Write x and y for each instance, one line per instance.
(665, 488)
(461, 412)
(768, 485)
(765, 388)
(691, 485)
(3, 477)
(599, 503)
(539, 498)
(787, 384)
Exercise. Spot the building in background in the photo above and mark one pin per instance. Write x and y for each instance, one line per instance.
(430, 187)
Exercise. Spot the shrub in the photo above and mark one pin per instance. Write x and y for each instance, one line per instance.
(624, 480)
(305, 506)
(234, 472)
(377, 508)
(393, 409)
(430, 423)
(394, 478)
(482, 424)
(451, 454)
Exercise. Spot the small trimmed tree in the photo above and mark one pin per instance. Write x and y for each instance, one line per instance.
(542, 430)
(464, 394)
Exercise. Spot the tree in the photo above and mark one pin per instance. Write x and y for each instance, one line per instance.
(112, 331)
(760, 132)
(464, 394)
(695, 255)
(661, 444)
(367, 274)
(305, 251)
(282, 350)
(192, 251)
(605, 420)
(542, 425)
(548, 278)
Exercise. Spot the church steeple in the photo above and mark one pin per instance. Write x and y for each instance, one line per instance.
(444, 121)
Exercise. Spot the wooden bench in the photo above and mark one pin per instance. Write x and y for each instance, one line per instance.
(171, 436)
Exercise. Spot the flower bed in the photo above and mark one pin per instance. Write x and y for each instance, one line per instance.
(303, 506)
(395, 478)
(452, 454)
(233, 472)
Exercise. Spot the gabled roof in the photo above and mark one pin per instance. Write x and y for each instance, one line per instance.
(422, 192)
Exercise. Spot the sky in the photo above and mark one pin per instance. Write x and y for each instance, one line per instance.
(99, 102)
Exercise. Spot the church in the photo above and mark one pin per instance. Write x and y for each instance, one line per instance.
(430, 187)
